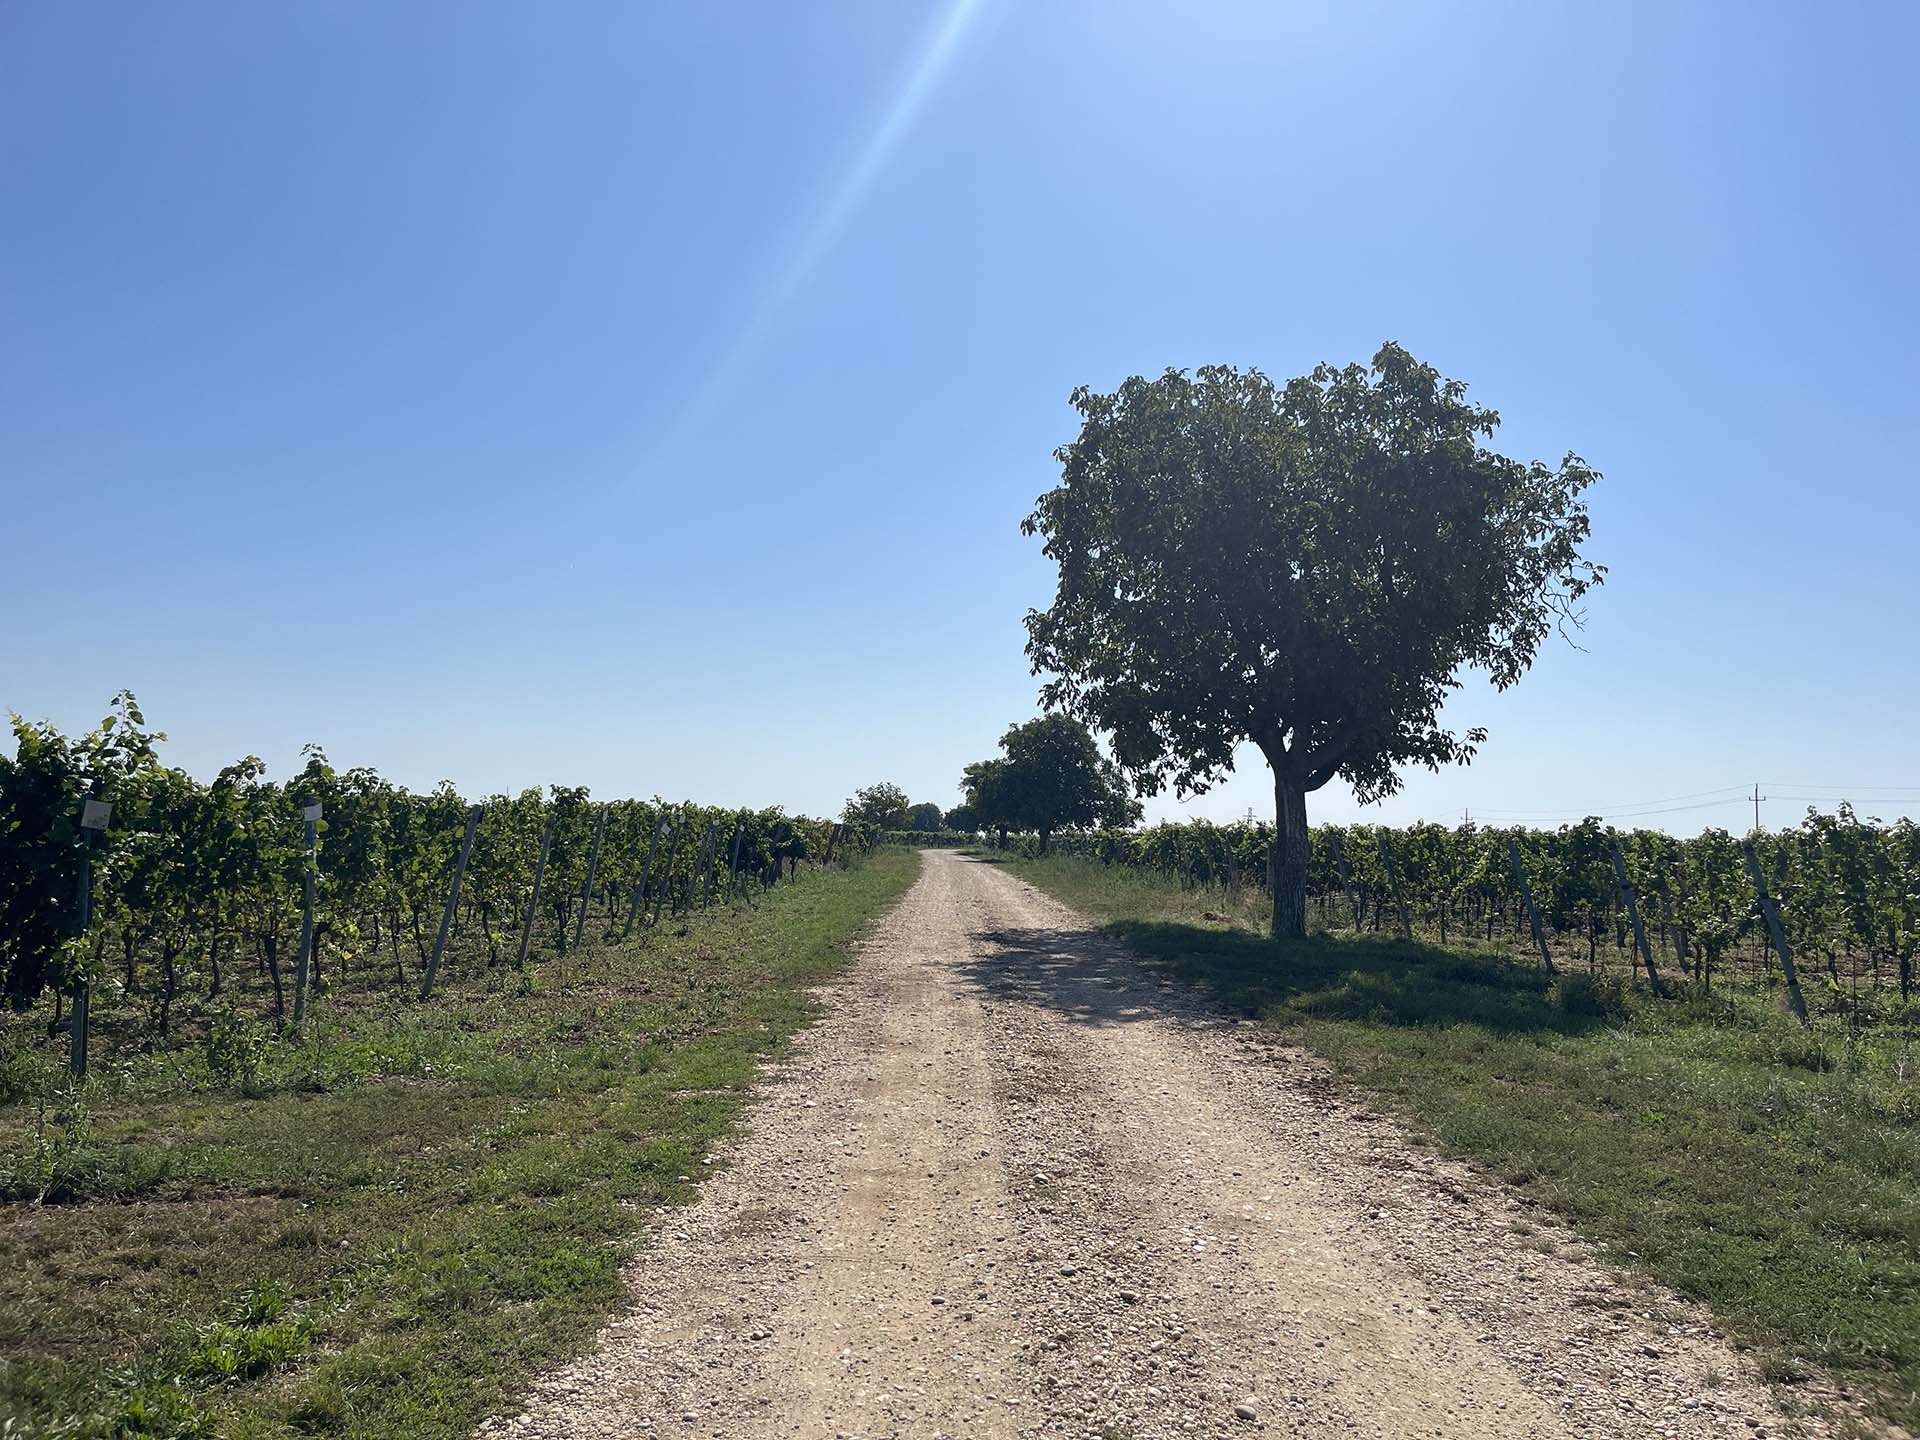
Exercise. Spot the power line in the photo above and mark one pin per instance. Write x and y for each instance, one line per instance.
(1851, 790)
(1677, 804)
(1570, 816)
(1626, 805)
(1723, 795)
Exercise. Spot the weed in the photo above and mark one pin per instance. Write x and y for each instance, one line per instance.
(157, 1410)
(236, 1049)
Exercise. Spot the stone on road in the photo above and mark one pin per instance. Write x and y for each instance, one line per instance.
(1017, 1183)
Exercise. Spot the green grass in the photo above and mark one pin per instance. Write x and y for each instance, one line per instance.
(387, 1229)
(1769, 1171)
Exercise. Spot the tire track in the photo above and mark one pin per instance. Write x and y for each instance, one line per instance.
(1016, 1183)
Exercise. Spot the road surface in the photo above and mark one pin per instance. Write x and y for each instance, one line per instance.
(1015, 1183)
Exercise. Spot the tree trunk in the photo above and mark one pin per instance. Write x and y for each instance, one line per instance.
(1287, 865)
(270, 947)
(169, 951)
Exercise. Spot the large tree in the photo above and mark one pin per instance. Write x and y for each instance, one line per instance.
(1306, 567)
(1051, 776)
(989, 800)
(879, 807)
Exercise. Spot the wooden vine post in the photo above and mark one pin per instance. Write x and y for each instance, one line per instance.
(453, 900)
(1526, 896)
(95, 815)
(533, 900)
(646, 878)
(1680, 930)
(1393, 884)
(733, 860)
(1771, 913)
(1346, 876)
(666, 873)
(683, 900)
(1632, 902)
(593, 872)
(709, 857)
(303, 968)
(1673, 928)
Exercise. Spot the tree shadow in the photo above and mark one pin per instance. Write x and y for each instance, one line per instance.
(982, 857)
(1079, 975)
(1098, 977)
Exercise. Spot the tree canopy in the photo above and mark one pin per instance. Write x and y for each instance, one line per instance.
(1050, 776)
(879, 807)
(1306, 567)
(926, 816)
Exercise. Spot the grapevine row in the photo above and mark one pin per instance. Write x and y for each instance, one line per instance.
(1846, 889)
(187, 881)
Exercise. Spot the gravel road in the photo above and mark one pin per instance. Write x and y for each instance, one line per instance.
(1017, 1183)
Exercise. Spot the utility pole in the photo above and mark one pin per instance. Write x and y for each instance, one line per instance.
(1757, 798)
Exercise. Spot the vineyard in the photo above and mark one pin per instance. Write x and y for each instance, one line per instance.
(189, 912)
(312, 1084)
(1845, 893)
(307, 1086)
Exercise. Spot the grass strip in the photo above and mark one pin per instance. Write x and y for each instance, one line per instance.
(388, 1229)
(1769, 1171)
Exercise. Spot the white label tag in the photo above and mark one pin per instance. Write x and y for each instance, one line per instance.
(311, 812)
(94, 814)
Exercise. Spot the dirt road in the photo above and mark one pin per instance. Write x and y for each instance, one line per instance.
(1015, 1183)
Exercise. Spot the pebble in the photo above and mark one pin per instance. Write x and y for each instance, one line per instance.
(1249, 1271)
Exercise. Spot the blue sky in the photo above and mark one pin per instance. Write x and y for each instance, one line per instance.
(647, 397)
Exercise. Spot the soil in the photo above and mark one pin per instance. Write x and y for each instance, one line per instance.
(1017, 1183)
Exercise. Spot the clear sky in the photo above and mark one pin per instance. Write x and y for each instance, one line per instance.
(647, 397)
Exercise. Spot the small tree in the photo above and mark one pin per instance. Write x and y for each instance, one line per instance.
(1306, 567)
(878, 807)
(989, 799)
(963, 819)
(925, 817)
(1051, 777)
